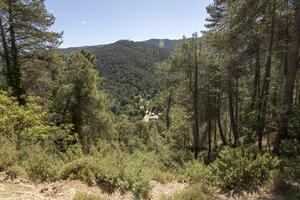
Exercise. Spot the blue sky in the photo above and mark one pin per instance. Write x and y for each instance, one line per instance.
(92, 22)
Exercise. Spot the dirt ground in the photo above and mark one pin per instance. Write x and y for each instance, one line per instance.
(20, 189)
(65, 190)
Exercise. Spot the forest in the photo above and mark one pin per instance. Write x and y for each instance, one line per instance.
(228, 100)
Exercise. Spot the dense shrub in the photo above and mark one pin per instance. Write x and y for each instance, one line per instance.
(84, 196)
(196, 172)
(163, 176)
(136, 178)
(22, 124)
(194, 192)
(85, 169)
(8, 155)
(16, 172)
(39, 164)
(240, 168)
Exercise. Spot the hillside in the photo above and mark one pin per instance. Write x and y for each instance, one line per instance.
(128, 67)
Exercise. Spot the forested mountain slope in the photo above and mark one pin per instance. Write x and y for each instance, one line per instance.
(128, 67)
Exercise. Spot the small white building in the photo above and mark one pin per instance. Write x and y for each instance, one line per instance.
(151, 116)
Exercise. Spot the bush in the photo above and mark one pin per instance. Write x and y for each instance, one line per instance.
(196, 172)
(194, 192)
(8, 155)
(112, 171)
(17, 172)
(39, 165)
(136, 172)
(84, 196)
(240, 168)
(137, 181)
(163, 177)
(84, 169)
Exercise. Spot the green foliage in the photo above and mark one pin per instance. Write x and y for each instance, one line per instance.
(22, 124)
(80, 101)
(242, 168)
(163, 176)
(84, 196)
(129, 71)
(111, 169)
(290, 147)
(85, 169)
(17, 172)
(197, 172)
(39, 164)
(8, 155)
(136, 177)
(194, 192)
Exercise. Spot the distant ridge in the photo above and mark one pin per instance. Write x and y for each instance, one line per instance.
(168, 44)
(129, 67)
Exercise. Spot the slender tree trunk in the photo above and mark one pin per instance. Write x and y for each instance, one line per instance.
(209, 134)
(231, 109)
(77, 118)
(256, 83)
(6, 55)
(297, 101)
(196, 113)
(266, 84)
(287, 33)
(18, 90)
(169, 103)
(219, 121)
(237, 102)
(215, 133)
(293, 63)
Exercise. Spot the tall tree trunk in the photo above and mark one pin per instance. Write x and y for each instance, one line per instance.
(293, 63)
(77, 118)
(219, 121)
(209, 134)
(266, 84)
(231, 108)
(286, 45)
(18, 90)
(6, 55)
(215, 133)
(256, 83)
(196, 112)
(169, 103)
(237, 101)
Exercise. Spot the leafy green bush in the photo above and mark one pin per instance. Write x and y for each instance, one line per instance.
(163, 176)
(196, 172)
(136, 179)
(8, 155)
(194, 192)
(22, 124)
(85, 169)
(39, 165)
(84, 196)
(240, 168)
(16, 172)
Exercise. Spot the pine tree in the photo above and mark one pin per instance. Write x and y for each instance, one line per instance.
(24, 34)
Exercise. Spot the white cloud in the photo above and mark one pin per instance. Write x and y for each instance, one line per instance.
(83, 22)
